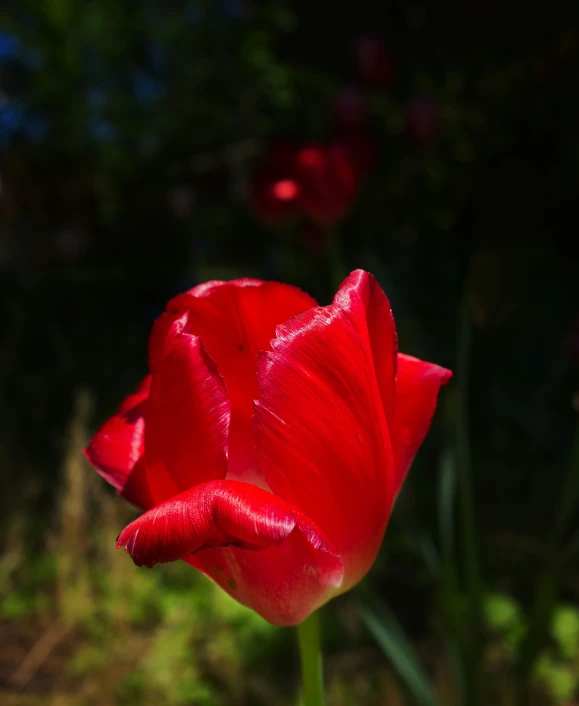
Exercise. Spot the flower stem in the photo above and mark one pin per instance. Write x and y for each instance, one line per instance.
(311, 660)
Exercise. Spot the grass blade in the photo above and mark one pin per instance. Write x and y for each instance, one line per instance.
(390, 636)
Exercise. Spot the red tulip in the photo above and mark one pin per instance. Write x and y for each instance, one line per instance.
(375, 61)
(422, 122)
(270, 440)
(275, 190)
(328, 181)
(319, 181)
(275, 201)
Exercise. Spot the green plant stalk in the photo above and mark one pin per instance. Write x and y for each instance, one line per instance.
(466, 497)
(311, 661)
(388, 633)
(450, 595)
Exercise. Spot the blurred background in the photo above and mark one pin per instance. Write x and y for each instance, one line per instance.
(147, 146)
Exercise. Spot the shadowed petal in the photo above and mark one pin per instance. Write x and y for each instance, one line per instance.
(118, 444)
(187, 419)
(137, 489)
(417, 386)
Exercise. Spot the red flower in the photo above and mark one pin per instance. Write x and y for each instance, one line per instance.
(270, 440)
(329, 182)
(319, 180)
(422, 122)
(274, 190)
(375, 61)
(275, 201)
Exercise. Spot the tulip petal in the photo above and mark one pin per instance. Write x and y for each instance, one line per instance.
(258, 548)
(235, 320)
(285, 583)
(118, 444)
(231, 318)
(320, 420)
(362, 297)
(137, 489)
(187, 419)
(417, 386)
(214, 514)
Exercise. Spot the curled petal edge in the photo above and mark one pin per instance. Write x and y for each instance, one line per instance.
(218, 513)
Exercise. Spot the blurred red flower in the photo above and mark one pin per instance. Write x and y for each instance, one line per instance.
(329, 182)
(374, 61)
(318, 180)
(274, 201)
(274, 189)
(270, 440)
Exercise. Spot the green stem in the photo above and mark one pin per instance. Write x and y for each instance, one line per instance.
(311, 660)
